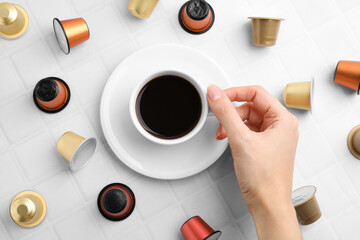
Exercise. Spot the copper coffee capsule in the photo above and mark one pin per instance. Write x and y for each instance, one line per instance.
(116, 201)
(70, 33)
(354, 141)
(51, 95)
(196, 16)
(197, 229)
(28, 209)
(306, 206)
(347, 74)
(14, 20)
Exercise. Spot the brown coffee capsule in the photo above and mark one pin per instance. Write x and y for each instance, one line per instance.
(265, 30)
(306, 206)
(353, 141)
(347, 74)
(28, 209)
(14, 20)
(196, 16)
(142, 8)
(51, 95)
(70, 33)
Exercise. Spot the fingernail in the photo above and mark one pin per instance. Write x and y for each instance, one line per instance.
(214, 92)
(217, 133)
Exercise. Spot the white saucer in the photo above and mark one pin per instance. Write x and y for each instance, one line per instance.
(137, 152)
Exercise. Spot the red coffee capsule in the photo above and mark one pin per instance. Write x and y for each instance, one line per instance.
(51, 95)
(197, 229)
(116, 202)
(196, 16)
(347, 74)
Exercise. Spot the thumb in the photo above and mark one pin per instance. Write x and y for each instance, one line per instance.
(225, 112)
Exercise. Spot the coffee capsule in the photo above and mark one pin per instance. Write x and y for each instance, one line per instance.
(354, 141)
(51, 95)
(76, 149)
(265, 31)
(14, 20)
(306, 206)
(299, 95)
(196, 16)
(142, 8)
(197, 229)
(70, 33)
(347, 74)
(116, 202)
(28, 209)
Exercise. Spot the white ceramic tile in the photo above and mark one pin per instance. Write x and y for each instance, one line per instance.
(247, 227)
(328, 98)
(183, 188)
(46, 234)
(313, 153)
(302, 59)
(10, 85)
(77, 54)
(346, 224)
(222, 167)
(134, 235)
(352, 168)
(172, 219)
(3, 142)
(79, 225)
(310, 14)
(152, 196)
(34, 62)
(88, 87)
(38, 157)
(114, 229)
(105, 30)
(102, 172)
(231, 233)
(81, 6)
(13, 125)
(207, 205)
(156, 34)
(54, 9)
(230, 191)
(60, 193)
(76, 124)
(337, 134)
(347, 5)
(92, 113)
(335, 41)
(9, 170)
(3, 233)
(135, 24)
(114, 55)
(318, 230)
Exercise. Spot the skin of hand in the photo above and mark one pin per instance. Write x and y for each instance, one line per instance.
(263, 138)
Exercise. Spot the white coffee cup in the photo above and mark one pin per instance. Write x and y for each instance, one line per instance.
(205, 112)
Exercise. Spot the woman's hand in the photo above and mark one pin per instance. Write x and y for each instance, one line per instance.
(263, 137)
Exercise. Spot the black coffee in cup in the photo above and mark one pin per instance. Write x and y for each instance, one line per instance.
(168, 107)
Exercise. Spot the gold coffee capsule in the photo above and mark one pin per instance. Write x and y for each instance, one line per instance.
(299, 95)
(306, 206)
(14, 20)
(76, 149)
(354, 141)
(70, 33)
(142, 8)
(28, 209)
(265, 30)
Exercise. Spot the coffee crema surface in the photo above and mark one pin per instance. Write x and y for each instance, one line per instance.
(168, 107)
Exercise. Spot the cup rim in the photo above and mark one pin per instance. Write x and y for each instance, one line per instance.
(186, 137)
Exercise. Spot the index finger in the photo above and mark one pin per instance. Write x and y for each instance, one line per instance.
(261, 99)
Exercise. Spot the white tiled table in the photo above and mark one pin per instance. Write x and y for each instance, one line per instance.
(314, 36)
